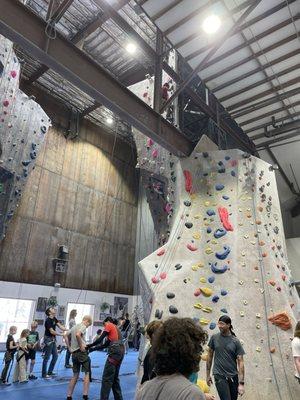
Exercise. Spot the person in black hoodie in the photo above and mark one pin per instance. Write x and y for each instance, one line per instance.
(148, 364)
(11, 348)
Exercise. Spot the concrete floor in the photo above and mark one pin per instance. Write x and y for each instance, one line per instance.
(56, 388)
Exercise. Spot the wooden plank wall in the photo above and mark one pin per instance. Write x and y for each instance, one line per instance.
(81, 197)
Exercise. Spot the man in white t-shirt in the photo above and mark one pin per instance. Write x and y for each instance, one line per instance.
(296, 351)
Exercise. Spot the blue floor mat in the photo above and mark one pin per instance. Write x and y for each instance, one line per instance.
(56, 388)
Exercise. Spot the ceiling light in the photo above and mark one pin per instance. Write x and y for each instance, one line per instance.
(131, 48)
(211, 24)
(109, 120)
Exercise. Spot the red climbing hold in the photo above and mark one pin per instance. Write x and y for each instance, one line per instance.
(6, 103)
(163, 275)
(188, 181)
(155, 153)
(150, 142)
(233, 163)
(223, 214)
(13, 73)
(155, 279)
(161, 252)
(191, 247)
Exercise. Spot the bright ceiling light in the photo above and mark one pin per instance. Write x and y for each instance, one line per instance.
(131, 48)
(109, 120)
(211, 24)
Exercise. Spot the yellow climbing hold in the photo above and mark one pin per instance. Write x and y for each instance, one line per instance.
(195, 267)
(204, 321)
(242, 314)
(208, 250)
(214, 241)
(207, 203)
(207, 309)
(193, 196)
(207, 292)
(206, 223)
(198, 306)
(214, 204)
(197, 216)
(196, 235)
(258, 349)
(202, 279)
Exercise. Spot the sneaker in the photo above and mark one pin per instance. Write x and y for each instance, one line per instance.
(33, 377)
(52, 374)
(46, 377)
(68, 366)
(5, 383)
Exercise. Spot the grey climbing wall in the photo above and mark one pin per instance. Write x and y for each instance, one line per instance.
(226, 255)
(23, 126)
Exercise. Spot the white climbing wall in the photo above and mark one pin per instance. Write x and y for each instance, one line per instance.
(23, 126)
(226, 254)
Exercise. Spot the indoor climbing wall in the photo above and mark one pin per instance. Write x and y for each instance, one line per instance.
(23, 126)
(226, 255)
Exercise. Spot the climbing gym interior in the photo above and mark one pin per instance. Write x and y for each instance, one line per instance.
(149, 169)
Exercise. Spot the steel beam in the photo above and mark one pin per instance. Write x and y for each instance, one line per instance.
(79, 69)
(278, 131)
(158, 70)
(263, 145)
(164, 10)
(205, 60)
(276, 121)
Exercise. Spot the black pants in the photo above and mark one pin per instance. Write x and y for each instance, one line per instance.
(110, 377)
(5, 369)
(227, 387)
(68, 356)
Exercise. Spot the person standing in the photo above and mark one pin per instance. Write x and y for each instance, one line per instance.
(296, 351)
(32, 343)
(116, 350)
(20, 373)
(11, 348)
(50, 348)
(226, 353)
(80, 357)
(72, 323)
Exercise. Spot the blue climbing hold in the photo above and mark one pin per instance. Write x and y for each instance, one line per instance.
(210, 212)
(225, 197)
(227, 158)
(219, 186)
(212, 325)
(218, 270)
(233, 173)
(224, 292)
(211, 279)
(219, 233)
(220, 163)
(215, 299)
(208, 230)
(224, 254)
(224, 310)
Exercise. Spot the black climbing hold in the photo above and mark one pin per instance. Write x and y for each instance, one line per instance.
(178, 266)
(22, 141)
(33, 146)
(26, 163)
(158, 314)
(205, 154)
(156, 265)
(173, 310)
(220, 163)
(187, 203)
(33, 155)
(43, 129)
(189, 225)
(170, 295)
(221, 170)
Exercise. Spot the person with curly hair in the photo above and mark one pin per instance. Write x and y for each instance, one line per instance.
(296, 351)
(176, 349)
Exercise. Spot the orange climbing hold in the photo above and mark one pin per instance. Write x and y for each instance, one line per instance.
(258, 222)
(272, 282)
(188, 181)
(282, 320)
(272, 350)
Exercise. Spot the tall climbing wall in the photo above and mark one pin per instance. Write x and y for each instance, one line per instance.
(226, 255)
(23, 126)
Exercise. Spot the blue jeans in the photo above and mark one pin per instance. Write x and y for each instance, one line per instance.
(49, 350)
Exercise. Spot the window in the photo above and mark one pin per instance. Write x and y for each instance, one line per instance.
(15, 312)
(82, 310)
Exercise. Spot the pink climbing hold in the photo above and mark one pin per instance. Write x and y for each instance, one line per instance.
(145, 94)
(155, 279)
(197, 292)
(163, 275)
(233, 163)
(155, 153)
(150, 142)
(161, 252)
(223, 214)
(191, 247)
(6, 103)
(13, 73)
(168, 208)
(188, 181)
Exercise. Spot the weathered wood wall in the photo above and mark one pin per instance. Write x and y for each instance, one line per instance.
(81, 197)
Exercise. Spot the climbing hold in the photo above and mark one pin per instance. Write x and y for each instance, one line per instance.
(197, 216)
(272, 350)
(207, 309)
(202, 280)
(264, 254)
(219, 186)
(211, 279)
(178, 266)
(207, 292)
(158, 314)
(227, 158)
(224, 292)
(161, 252)
(196, 235)
(210, 212)
(219, 233)
(187, 203)
(163, 275)
(204, 321)
(233, 173)
(155, 153)
(198, 306)
(33, 155)
(242, 313)
(208, 230)
(173, 310)
(205, 154)
(26, 163)
(150, 142)
(155, 279)
(272, 282)
(225, 197)
(257, 326)
(258, 315)
(212, 325)
(223, 214)
(191, 247)
(208, 250)
(13, 73)
(170, 295)
(258, 349)
(188, 181)
(215, 299)
(241, 282)
(224, 310)
(5, 103)
(224, 254)
(188, 225)
(197, 292)
(222, 170)
(218, 270)
(245, 302)
(43, 129)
